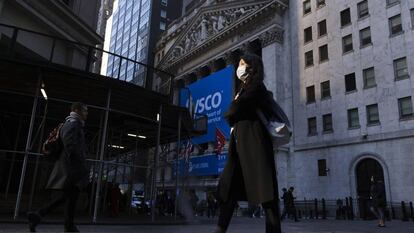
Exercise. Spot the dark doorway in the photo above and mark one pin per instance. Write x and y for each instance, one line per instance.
(365, 169)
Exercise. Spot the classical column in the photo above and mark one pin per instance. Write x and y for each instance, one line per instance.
(230, 58)
(275, 62)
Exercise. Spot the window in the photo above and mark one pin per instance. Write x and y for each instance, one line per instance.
(312, 129)
(309, 58)
(369, 77)
(307, 7)
(372, 114)
(405, 107)
(327, 123)
(164, 2)
(310, 94)
(353, 118)
(395, 25)
(401, 69)
(412, 18)
(323, 53)
(347, 45)
(325, 90)
(350, 83)
(365, 36)
(320, 3)
(322, 171)
(163, 14)
(162, 25)
(308, 34)
(345, 17)
(363, 9)
(322, 28)
(392, 2)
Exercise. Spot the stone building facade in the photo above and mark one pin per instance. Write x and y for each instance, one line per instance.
(350, 99)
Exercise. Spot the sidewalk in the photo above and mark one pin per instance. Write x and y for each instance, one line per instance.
(238, 225)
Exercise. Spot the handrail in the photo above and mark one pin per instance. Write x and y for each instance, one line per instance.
(85, 45)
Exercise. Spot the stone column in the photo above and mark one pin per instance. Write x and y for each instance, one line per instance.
(275, 62)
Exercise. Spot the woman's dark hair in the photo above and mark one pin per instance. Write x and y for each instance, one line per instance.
(255, 70)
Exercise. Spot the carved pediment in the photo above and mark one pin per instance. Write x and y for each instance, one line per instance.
(210, 23)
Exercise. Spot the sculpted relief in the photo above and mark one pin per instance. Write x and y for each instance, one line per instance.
(207, 26)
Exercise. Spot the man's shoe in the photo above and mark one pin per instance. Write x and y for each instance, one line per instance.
(34, 220)
(219, 230)
(72, 228)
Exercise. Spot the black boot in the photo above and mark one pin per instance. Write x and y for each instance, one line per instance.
(34, 220)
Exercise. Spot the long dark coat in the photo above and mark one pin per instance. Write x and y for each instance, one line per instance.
(250, 172)
(377, 193)
(70, 169)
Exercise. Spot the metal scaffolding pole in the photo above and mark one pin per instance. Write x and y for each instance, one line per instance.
(154, 169)
(28, 143)
(32, 191)
(102, 152)
(176, 166)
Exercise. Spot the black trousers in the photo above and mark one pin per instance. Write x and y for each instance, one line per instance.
(69, 197)
(271, 209)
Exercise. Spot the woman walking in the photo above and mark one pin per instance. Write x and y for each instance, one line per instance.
(378, 200)
(250, 172)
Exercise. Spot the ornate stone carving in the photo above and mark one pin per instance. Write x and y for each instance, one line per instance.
(207, 26)
(275, 34)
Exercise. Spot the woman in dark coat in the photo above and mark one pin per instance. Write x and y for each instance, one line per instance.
(250, 173)
(378, 200)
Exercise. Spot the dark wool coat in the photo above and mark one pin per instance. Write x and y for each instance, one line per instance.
(377, 193)
(250, 172)
(70, 169)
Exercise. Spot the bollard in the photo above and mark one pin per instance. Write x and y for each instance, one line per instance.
(316, 209)
(411, 211)
(404, 212)
(323, 209)
(346, 209)
(351, 208)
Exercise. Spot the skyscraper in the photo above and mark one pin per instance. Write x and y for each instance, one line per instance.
(136, 26)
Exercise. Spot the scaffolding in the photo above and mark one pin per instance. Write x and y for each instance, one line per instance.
(127, 123)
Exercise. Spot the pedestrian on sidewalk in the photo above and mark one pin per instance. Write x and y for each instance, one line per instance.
(250, 172)
(69, 172)
(378, 202)
(285, 207)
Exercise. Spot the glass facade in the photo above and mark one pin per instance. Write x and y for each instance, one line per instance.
(129, 38)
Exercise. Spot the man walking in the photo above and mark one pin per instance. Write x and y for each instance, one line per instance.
(69, 169)
(290, 204)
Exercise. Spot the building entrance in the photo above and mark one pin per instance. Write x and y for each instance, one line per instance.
(365, 169)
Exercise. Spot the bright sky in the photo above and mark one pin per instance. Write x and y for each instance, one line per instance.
(107, 40)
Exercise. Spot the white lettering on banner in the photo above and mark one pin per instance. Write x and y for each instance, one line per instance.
(209, 102)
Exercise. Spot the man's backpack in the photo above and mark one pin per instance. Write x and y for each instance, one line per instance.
(53, 145)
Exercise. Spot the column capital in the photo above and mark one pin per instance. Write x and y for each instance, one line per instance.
(272, 35)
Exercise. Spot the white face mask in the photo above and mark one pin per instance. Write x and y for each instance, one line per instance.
(242, 73)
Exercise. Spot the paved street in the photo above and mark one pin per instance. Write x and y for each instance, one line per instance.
(239, 225)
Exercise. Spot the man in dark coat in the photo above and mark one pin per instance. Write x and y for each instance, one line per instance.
(69, 171)
(290, 204)
(250, 172)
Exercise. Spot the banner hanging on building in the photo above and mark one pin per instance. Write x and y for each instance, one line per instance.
(206, 165)
(210, 96)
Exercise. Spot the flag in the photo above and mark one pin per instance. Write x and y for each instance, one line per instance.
(220, 141)
(189, 147)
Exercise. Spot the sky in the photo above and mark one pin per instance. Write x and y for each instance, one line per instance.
(107, 40)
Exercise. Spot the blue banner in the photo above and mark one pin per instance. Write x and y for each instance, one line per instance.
(206, 165)
(210, 96)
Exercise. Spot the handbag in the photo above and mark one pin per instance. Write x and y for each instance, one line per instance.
(279, 132)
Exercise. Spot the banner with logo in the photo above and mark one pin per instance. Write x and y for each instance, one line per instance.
(206, 165)
(210, 96)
